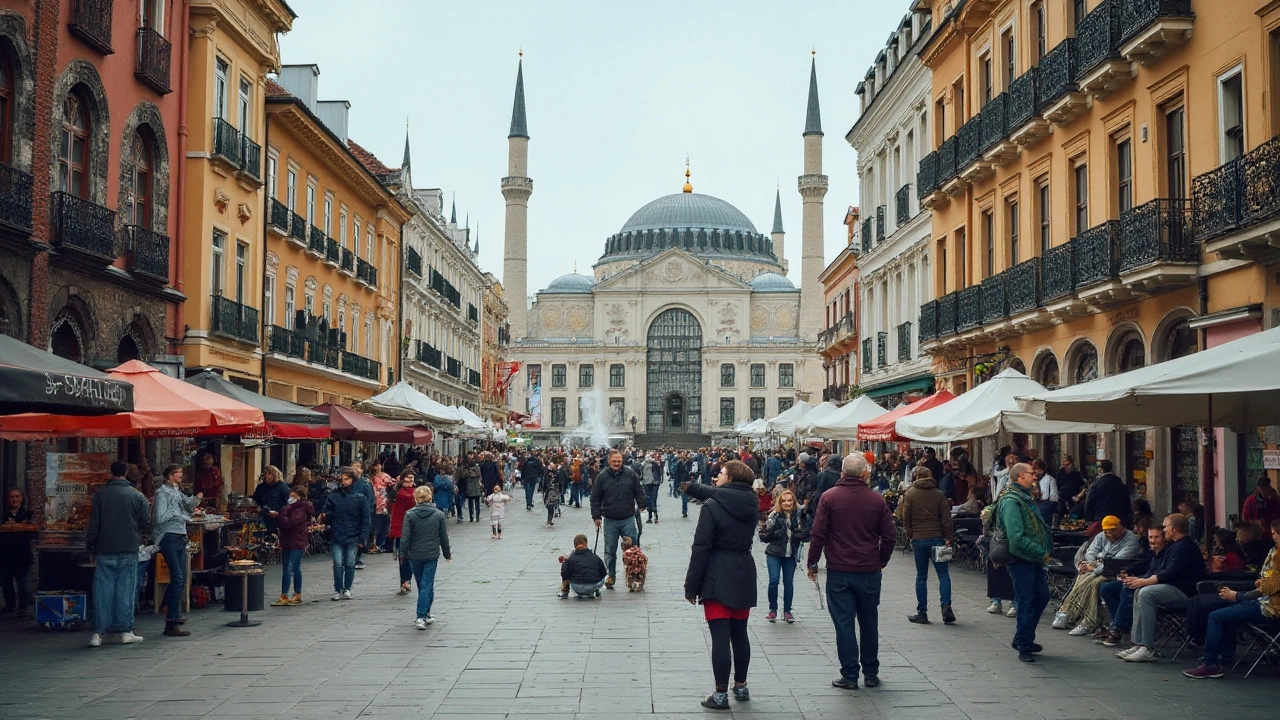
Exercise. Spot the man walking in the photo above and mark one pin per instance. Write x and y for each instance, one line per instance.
(531, 476)
(117, 521)
(854, 527)
(346, 511)
(652, 481)
(615, 498)
(172, 512)
(1030, 544)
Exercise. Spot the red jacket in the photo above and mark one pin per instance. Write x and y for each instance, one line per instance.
(294, 520)
(401, 505)
(855, 528)
(1264, 511)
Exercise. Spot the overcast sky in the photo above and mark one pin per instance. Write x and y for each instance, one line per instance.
(617, 95)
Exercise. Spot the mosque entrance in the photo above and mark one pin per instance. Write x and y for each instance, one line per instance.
(674, 373)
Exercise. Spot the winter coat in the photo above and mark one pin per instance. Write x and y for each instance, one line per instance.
(498, 507)
(532, 472)
(551, 490)
(489, 476)
(294, 521)
(1108, 496)
(365, 488)
(926, 512)
(652, 473)
(854, 527)
(721, 567)
(271, 496)
(616, 496)
(781, 530)
(444, 491)
(347, 513)
(1261, 509)
(426, 534)
(469, 478)
(827, 479)
(583, 567)
(772, 469)
(119, 518)
(1029, 537)
(399, 506)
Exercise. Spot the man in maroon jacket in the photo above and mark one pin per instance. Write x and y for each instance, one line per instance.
(855, 528)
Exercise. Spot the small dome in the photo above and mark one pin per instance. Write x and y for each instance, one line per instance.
(771, 282)
(571, 283)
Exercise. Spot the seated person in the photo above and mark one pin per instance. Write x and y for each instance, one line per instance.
(1253, 541)
(1081, 603)
(969, 508)
(1227, 555)
(583, 571)
(1170, 578)
(1244, 607)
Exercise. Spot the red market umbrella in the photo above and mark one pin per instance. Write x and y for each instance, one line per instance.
(882, 428)
(284, 420)
(163, 406)
(348, 424)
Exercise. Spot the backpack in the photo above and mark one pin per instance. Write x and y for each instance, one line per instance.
(577, 470)
(997, 538)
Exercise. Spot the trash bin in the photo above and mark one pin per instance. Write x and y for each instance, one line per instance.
(235, 593)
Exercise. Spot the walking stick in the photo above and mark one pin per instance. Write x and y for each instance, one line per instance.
(819, 586)
(597, 544)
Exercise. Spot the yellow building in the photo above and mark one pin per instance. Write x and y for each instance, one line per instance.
(332, 278)
(838, 340)
(232, 48)
(1103, 197)
(495, 339)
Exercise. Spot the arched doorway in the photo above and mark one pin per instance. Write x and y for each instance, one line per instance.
(674, 373)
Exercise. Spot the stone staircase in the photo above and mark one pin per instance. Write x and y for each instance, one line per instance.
(684, 441)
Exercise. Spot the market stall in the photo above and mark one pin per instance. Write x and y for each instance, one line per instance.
(787, 421)
(32, 380)
(283, 420)
(883, 428)
(402, 401)
(843, 424)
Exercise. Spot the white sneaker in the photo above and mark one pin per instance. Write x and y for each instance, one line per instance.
(128, 638)
(420, 623)
(95, 640)
(994, 608)
(346, 594)
(430, 618)
(1122, 654)
(336, 596)
(1012, 611)
(1142, 654)
(1060, 621)
(1083, 628)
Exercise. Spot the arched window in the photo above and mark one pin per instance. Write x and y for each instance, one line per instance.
(1086, 364)
(1132, 355)
(73, 149)
(7, 91)
(139, 199)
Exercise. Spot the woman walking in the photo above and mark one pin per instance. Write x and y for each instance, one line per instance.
(784, 531)
(447, 497)
(472, 487)
(551, 493)
(294, 520)
(425, 539)
(401, 504)
(926, 519)
(722, 575)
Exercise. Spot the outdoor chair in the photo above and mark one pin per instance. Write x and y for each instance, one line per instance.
(1265, 636)
(1171, 627)
(1063, 575)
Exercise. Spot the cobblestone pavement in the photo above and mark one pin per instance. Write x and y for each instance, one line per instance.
(504, 646)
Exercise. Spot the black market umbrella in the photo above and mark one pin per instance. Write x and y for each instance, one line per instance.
(35, 381)
(285, 420)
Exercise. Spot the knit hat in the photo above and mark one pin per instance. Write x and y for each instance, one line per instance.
(803, 458)
(1110, 522)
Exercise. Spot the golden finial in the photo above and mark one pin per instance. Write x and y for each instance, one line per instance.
(520, 52)
(688, 187)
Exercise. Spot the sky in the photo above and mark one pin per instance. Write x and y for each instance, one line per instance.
(618, 94)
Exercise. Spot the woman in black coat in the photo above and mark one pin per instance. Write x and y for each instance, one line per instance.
(722, 575)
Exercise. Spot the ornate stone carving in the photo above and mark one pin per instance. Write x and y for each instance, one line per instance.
(759, 319)
(728, 315)
(784, 318)
(578, 318)
(551, 317)
(617, 314)
(673, 271)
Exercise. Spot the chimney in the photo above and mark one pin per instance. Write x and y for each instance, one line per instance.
(333, 113)
(302, 82)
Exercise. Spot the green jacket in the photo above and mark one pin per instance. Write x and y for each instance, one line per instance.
(1029, 535)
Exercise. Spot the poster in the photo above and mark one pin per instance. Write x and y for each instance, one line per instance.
(535, 398)
(69, 482)
(1271, 459)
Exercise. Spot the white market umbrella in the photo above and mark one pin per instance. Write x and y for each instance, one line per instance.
(843, 424)
(755, 428)
(402, 401)
(785, 423)
(1235, 385)
(985, 410)
(817, 415)
(472, 426)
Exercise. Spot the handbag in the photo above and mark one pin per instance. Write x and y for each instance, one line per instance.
(998, 544)
(942, 553)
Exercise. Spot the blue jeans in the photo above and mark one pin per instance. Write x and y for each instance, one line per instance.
(174, 548)
(114, 581)
(855, 597)
(292, 562)
(529, 489)
(783, 568)
(587, 589)
(684, 504)
(406, 572)
(922, 549)
(575, 493)
(12, 577)
(613, 530)
(424, 572)
(1119, 602)
(651, 493)
(1031, 597)
(1220, 640)
(344, 565)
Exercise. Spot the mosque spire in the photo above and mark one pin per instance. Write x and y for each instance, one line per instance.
(777, 211)
(405, 162)
(477, 250)
(453, 212)
(518, 126)
(688, 186)
(813, 117)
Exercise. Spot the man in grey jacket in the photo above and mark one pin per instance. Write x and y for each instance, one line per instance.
(616, 500)
(117, 521)
(172, 512)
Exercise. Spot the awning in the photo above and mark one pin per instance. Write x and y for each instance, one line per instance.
(285, 420)
(785, 423)
(32, 380)
(402, 401)
(921, 382)
(843, 424)
(348, 424)
(882, 429)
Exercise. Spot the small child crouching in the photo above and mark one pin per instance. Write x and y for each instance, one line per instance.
(636, 564)
(583, 572)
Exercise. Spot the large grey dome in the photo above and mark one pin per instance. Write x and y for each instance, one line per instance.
(770, 282)
(571, 283)
(689, 210)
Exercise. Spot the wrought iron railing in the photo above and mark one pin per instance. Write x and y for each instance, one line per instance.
(880, 213)
(1097, 37)
(902, 204)
(1260, 182)
(1058, 271)
(148, 253)
(1024, 286)
(91, 22)
(947, 159)
(1216, 198)
(995, 298)
(15, 199)
(315, 240)
(332, 252)
(882, 349)
(994, 121)
(348, 261)
(969, 308)
(154, 54)
(83, 226)
(323, 353)
(1057, 73)
(1157, 231)
(1024, 99)
(228, 144)
(366, 272)
(904, 342)
(927, 175)
(234, 319)
(361, 366)
(453, 367)
(1097, 254)
(413, 261)
(1136, 15)
(866, 355)
(969, 138)
(251, 158)
(928, 321)
(279, 216)
(835, 393)
(947, 315)
(298, 228)
(868, 235)
(287, 342)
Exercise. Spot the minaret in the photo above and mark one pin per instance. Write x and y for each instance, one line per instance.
(516, 189)
(778, 234)
(813, 186)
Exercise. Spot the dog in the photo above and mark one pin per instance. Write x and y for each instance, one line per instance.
(636, 564)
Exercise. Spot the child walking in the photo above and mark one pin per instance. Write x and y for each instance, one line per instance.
(497, 503)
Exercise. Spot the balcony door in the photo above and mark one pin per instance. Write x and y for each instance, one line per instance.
(73, 149)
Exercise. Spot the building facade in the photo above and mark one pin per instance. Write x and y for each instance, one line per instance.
(838, 341)
(495, 342)
(890, 136)
(1098, 205)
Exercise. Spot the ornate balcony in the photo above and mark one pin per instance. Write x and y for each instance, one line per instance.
(882, 349)
(82, 230)
(413, 262)
(323, 353)
(366, 273)
(947, 160)
(332, 253)
(994, 116)
(91, 22)
(1157, 232)
(1058, 272)
(154, 53)
(234, 320)
(995, 298)
(866, 355)
(947, 315)
(348, 263)
(228, 144)
(1260, 182)
(251, 161)
(1216, 199)
(1100, 68)
(1097, 254)
(902, 205)
(904, 342)
(278, 219)
(969, 308)
(315, 242)
(1024, 286)
(15, 203)
(1151, 29)
(361, 366)
(835, 393)
(927, 176)
(1237, 205)
(969, 144)
(148, 253)
(1060, 101)
(286, 342)
(928, 321)
(868, 235)
(1021, 109)
(297, 230)
(880, 213)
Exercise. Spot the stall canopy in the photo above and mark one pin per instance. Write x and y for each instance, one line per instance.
(843, 424)
(284, 420)
(348, 424)
(1235, 385)
(162, 406)
(472, 425)
(754, 428)
(986, 410)
(786, 422)
(402, 401)
(818, 414)
(882, 429)
(32, 380)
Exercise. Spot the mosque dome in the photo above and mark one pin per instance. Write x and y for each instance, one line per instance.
(571, 283)
(771, 282)
(704, 225)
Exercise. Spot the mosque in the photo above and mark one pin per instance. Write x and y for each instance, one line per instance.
(687, 326)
